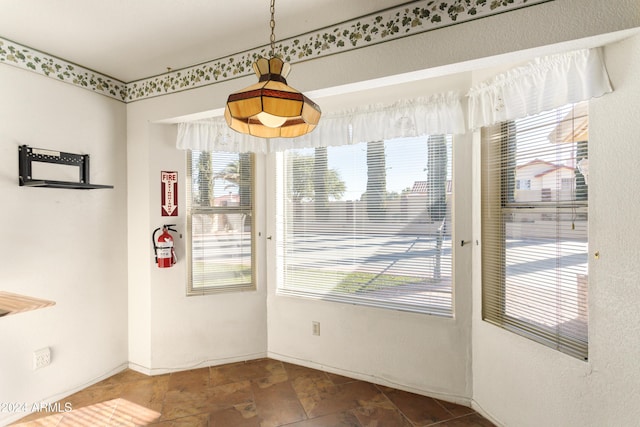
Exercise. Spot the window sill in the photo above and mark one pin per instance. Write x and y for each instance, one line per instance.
(13, 303)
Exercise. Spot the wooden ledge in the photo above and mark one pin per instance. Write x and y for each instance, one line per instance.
(13, 303)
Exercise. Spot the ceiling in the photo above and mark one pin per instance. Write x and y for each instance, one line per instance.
(135, 39)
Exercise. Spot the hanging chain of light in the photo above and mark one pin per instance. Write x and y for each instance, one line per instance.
(272, 24)
(271, 108)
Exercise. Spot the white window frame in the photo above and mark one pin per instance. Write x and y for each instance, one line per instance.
(280, 237)
(496, 204)
(192, 290)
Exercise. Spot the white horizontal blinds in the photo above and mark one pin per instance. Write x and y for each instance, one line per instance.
(220, 214)
(535, 227)
(368, 223)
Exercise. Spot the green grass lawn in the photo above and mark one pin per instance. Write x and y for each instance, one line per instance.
(350, 282)
(221, 274)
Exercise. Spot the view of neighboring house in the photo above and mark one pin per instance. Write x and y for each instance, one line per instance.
(420, 187)
(538, 180)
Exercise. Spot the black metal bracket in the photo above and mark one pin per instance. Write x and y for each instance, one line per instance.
(27, 155)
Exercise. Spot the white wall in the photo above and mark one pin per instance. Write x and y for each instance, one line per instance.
(522, 383)
(420, 353)
(196, 331)
(68, 246)
(169, 331)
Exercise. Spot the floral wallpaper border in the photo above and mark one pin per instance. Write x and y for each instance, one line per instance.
(12, 53)
(409, 19)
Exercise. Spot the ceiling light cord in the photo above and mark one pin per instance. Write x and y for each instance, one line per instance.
(272, 23)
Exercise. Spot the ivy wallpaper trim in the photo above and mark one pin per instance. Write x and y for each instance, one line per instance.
(409, 19)
(12, 53)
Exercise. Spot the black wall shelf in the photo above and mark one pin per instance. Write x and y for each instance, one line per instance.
(27, 155)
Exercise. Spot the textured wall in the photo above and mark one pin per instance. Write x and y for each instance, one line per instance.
(68, 246)
(521, 383)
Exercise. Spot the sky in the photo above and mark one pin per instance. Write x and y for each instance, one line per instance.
(406, 162)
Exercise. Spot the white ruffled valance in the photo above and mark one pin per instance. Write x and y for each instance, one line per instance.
(544, 84)
(437, 114)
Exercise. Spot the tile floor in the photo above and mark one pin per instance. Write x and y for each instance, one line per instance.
(263, 392)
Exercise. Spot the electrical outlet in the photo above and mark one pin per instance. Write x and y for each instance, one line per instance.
(315, 328)
(41, 358)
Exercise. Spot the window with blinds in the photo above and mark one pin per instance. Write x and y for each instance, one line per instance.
(534, 227)
(368, 224)
(220, 222)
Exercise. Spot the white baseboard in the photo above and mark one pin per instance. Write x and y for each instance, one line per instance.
(479, 409)
(201, 364)
(460, 400)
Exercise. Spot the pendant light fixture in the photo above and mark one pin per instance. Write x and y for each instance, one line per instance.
(271, 108)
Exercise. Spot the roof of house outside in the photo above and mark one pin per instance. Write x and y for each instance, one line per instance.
(420, 187)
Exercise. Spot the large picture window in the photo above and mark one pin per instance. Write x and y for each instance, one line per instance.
(535, 235)
(220, 222)
(368, 224)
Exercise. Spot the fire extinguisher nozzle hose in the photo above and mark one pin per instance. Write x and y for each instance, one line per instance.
(153, 242)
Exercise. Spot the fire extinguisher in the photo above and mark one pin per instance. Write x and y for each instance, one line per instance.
(163, 246)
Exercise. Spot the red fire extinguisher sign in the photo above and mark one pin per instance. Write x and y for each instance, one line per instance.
(169, 185)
